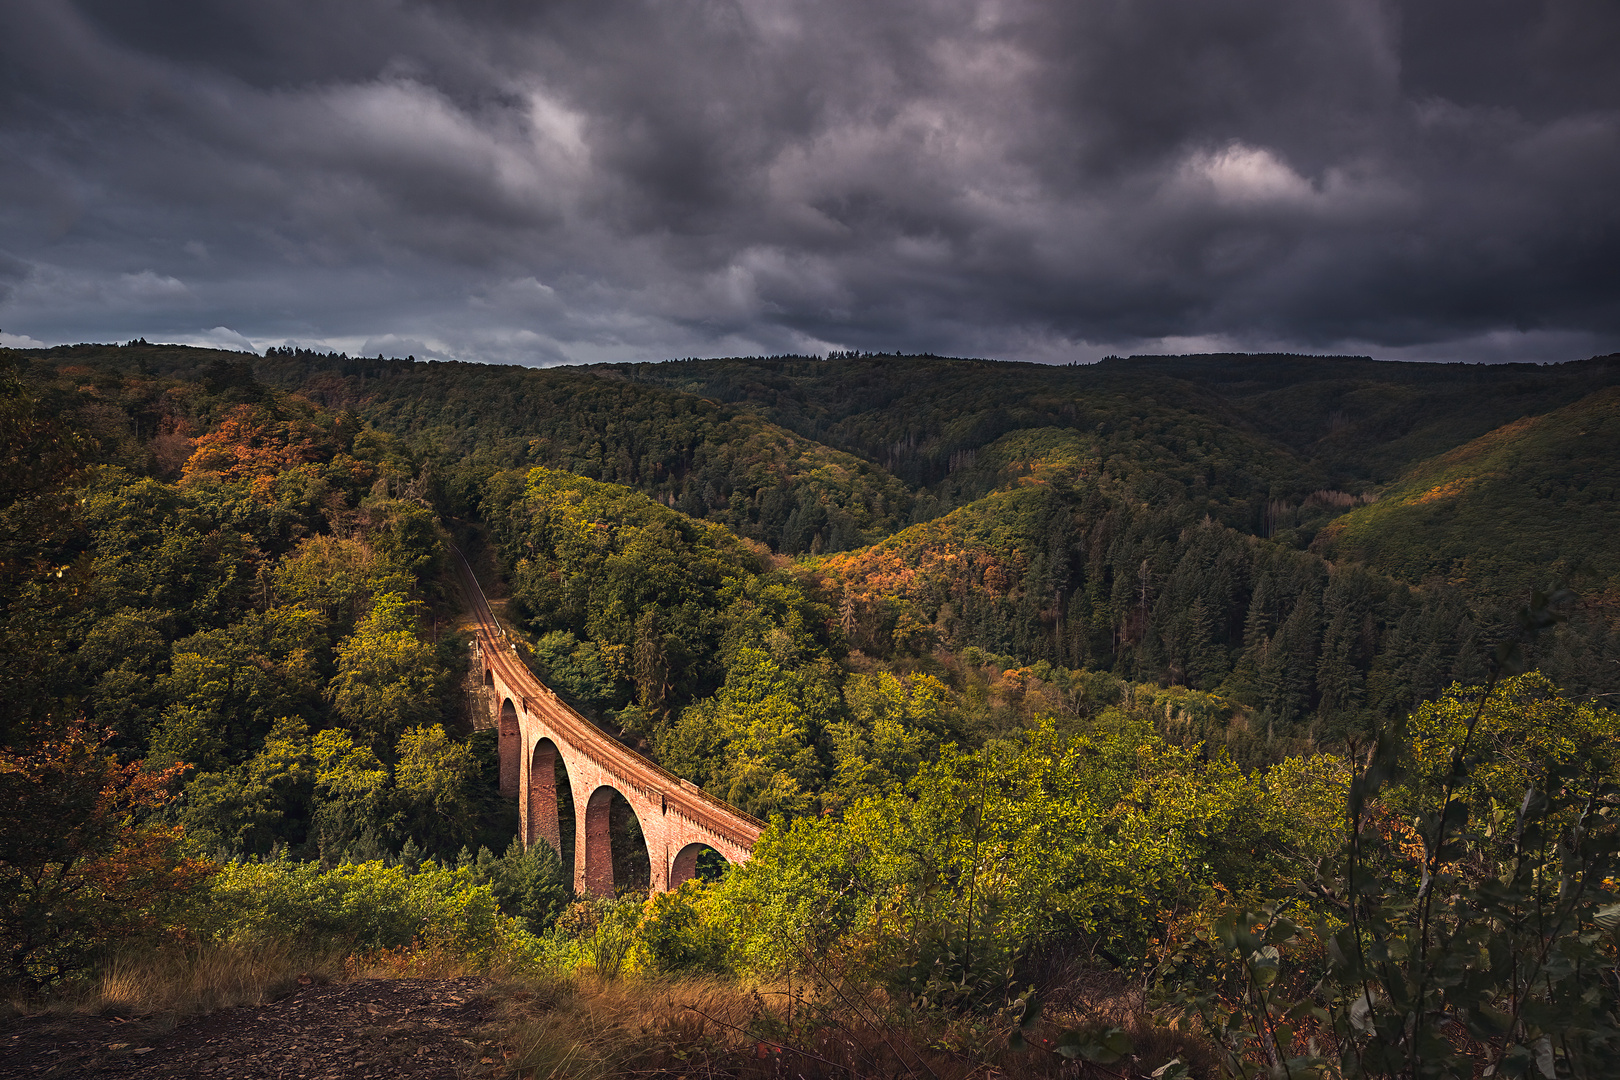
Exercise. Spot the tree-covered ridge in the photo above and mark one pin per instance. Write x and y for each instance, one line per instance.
(1065, 575)
(1533, 500)
(1355, 420)
(470, 420)
(688, 453)
(657, 601)
(244, 585)
(926, 419)
(1265, 444)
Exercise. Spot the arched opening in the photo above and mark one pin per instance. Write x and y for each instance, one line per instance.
(551, 801)
(696, 861)
(489, 676)
(616, 857)
(510, 751)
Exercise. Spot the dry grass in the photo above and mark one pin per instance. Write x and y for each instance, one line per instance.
(581, 1026)
(411, 962)
(584, 1028)
(174, 982)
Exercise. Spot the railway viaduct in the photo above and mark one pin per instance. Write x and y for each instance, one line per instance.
(537, 730)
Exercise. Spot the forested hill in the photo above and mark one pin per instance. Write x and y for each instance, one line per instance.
(1135, 611)
(1242, 437)
(1349, 419)
(812, 455)
(1502, 513)
(469, 420)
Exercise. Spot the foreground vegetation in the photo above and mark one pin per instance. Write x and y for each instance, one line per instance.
(1443, 903)
(1080, 772)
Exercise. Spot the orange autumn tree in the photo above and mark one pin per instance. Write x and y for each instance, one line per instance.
(83, 856)
(260, 442)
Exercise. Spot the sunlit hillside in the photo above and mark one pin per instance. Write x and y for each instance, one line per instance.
(1532, 503)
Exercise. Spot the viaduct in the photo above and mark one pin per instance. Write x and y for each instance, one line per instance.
(537, 730)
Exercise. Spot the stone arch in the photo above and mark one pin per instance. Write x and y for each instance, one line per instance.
(550, 799)
(685, 865)
(489, 676)
(610, 820)
(511, 754)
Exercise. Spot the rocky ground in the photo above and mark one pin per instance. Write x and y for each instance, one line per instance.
(405, 1028)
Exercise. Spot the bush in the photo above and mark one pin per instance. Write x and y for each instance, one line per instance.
(1472, 933)
(359, 906)
(529, 885)
(82, 863)
(679, 933)
(945, 889)
(579, 920)
(615, 935)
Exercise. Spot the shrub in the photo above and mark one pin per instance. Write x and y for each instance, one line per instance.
(360, 906)
(1477, 940)
(81, 862)
(679, 933)
(615, 935)
(530, 885)
(945, 889)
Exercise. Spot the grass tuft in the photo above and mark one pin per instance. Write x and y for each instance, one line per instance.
(179, 981)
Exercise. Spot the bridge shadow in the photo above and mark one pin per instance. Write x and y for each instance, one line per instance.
(632, 864)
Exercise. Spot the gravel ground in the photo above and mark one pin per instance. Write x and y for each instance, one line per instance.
(407, 1028)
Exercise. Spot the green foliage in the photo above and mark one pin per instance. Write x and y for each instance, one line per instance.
(405, 533)
(1065, 575)
(354, 907)
(729, 465)
(944, 888)
(385, 680)
(895, 724)
(932, 416)
(252, 807)
(1522, 731)
(681, 932)
(238, 680)
(338, 577)
(576, 668)
(1505, 513)
(531, 885)
(160, 550)
(640, 608)
(433, 779)
(1468, 942)
(352, 798)
(642, 582)
(613, 935)
(334, 797)
(1427, 966)
(753, 742)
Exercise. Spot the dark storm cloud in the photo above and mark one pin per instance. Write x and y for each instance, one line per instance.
(573, 181)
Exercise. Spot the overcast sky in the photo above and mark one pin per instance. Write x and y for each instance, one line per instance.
(522, 180)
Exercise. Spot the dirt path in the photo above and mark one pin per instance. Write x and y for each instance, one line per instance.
(407, 1028)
